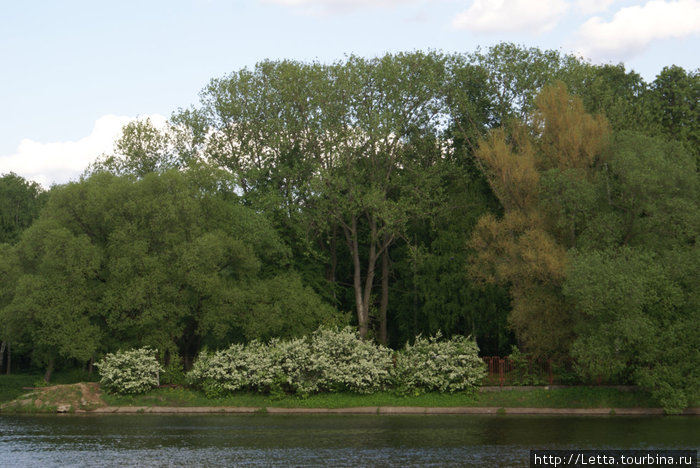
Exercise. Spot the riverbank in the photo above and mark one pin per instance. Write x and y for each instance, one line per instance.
(87, 397)
(386, 410)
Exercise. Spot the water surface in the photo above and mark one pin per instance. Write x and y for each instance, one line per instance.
(323, 440)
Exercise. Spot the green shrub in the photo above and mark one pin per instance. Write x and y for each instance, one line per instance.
(344, 362)
(128, 372)
(221, 372)
(433, 365)
(329, 360)
(301, 374)
(524, 372)
(332, 360)
(173, 373)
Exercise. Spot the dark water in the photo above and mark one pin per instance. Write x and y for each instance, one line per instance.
(322, 440)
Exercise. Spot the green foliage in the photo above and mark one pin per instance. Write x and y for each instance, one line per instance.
(577, 397)
(165, 260)
(368, 184)
(129, 372)
(173, 373)
(142, 149)
(633, 276)
(434, 365)
(524, 373)
(283, 307)
(616, 93)
(348, 363)
(332, 360)
(675, 114)
(55, 297)
(329, 360)
(20, 202)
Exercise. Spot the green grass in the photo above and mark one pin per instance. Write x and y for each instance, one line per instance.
(574, 397)
(11, 386)
(580, 397)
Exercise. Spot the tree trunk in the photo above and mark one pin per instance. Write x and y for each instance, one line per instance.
(362, 294)
(332, 267)
(9, 358)
(351, 238)
(2, 354)
(369, 280)
(384, 303)
(49, 370)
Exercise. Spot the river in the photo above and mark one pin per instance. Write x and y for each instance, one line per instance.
(323, 440)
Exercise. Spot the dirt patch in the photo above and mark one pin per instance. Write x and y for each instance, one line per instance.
(58, 398)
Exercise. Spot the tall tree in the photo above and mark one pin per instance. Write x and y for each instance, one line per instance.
(141, 149)
(55, 298)
(20, 202)
(673, 101)
(325, 147)
(526, 248)
(165, 261)
(633, 276)
(377, 182)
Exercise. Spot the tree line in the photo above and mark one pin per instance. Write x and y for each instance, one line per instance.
(518, 195)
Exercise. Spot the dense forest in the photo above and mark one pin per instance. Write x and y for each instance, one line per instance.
(523, 197)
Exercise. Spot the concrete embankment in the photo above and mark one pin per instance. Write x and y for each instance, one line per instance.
(385, 410)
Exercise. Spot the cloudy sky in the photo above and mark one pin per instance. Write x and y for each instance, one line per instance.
(73, 71)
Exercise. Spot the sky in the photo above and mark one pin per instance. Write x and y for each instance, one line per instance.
(74, 72)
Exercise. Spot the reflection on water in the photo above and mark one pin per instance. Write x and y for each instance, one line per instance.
(322, 440)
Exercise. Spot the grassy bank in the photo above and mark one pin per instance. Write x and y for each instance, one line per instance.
(12, 387)
(579, 397)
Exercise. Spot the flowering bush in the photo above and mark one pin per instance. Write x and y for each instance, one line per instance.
(343, 361)
(329, 360)
(433, 365)
(237, 368)
(302, 374)
(134, 371)
(338, 360)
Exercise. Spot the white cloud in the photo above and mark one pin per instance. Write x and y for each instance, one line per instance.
(60, 162)
(633, 28)
(494, 16)
(588, 7)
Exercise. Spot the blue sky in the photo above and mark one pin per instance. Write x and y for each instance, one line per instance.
(73, 72)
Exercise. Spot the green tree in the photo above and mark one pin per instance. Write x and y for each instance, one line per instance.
(616, 93)
(20, 203)
(526, 249)
(141, 149)
(55, 298)
(10, 326)
(632, 278)
(673, 101)
(516, 74)
(329, 153)
(164, 261)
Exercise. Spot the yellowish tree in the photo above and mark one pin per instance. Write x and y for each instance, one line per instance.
(526, 248)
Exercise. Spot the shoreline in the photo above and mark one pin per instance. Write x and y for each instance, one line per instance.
(86, 398)
(384, 410)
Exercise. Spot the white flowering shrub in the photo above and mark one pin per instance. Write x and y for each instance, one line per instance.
(300, 369)
(329, 360)
(343, 361)
(338, 360)
(128, 372)
(433, 365)
(253, 367)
